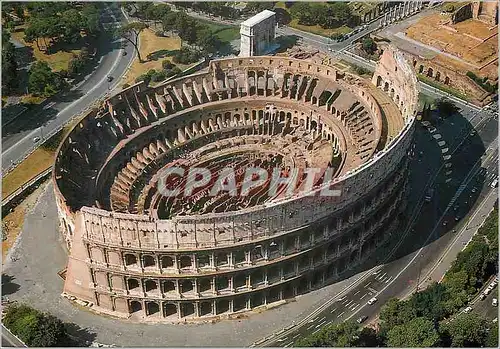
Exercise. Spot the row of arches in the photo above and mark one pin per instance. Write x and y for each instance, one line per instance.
(432, 73)
(174, 310)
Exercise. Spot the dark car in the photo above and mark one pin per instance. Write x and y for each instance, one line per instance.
(361, 319)
(110, 78)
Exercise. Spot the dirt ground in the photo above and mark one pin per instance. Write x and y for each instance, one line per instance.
(157, 49)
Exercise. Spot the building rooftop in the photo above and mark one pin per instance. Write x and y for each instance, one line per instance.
(259, 17)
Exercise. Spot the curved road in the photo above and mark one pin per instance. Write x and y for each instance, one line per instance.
(416, 265)
(19, 142)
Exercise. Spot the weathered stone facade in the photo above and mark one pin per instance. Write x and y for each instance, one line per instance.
(126, 261)
(257, 34)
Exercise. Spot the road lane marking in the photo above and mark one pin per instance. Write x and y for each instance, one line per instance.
(389, 279)
(357, 305)
(297, 335)
(310, 327)
(364, 296)
(417, 254)
(368, 284)
(357, 292)
(333, 311)
(350, 302)
(342, 313)
(286, 346)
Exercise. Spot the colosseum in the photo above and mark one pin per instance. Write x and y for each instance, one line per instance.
(135, 253)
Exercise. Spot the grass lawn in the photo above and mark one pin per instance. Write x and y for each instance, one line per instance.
(316, 29)
(437, 85)
(34, 164)
(160, 47)
(226, 33)
(57, 61)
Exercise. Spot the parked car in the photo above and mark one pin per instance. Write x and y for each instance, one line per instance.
(362, 319)
(36, 139)
(494, 302)
(482, 296)
(372, 301)
(467, 310)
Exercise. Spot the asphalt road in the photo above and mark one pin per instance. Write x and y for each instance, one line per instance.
(18, 137)
(462, 201)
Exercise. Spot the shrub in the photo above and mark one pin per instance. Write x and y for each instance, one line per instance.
(158, 76)
(186, 56)
(166, 64)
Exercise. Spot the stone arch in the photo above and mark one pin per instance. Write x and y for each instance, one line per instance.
(379, 81)
(438, 75)
(386, 87)
(187, 309)
(186, 286)
(132, 284)
(397, 98)
(130, 259)
(421, 69)
(185, 262)
(430, 72)
(282, 116)
(446, 80)
(152, 308)
(97, 254)
(314, 100)
(135, 306)
(168, 286)
(169, 309)
(150, 285)
(313, 125)
(392, 93)
(205, 308)
(167, 262)
(148, 261)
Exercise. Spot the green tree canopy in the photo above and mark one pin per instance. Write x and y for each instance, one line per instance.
(130, 32)
(43, 81)
(466, 330)
(417, 333)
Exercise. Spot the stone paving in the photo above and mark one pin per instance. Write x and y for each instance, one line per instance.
(40, 254)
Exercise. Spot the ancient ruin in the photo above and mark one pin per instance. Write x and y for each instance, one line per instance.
(135, 253)
(257, 34)
(444, 47)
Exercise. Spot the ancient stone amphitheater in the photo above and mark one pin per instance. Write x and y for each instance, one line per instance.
(136, 253)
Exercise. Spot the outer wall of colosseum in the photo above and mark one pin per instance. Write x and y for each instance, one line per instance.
(126, 261)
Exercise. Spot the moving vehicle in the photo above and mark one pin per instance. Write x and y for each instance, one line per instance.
(494, 184)
(362, 319)
(36, 139)
(372, 301)
(429, 195)
(110, 78)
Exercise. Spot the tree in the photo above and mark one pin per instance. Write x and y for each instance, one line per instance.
(419, 332)
(90, 16)
(466, 330)
(396, 312)
(369, 45)
(34, 328)
(43, 81)
(130, 32)
(492, 339)
(445, 107)
(10, 78)
(72, 23)
(169, 21)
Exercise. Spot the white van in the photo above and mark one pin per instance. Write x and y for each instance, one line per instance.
(372, 301)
